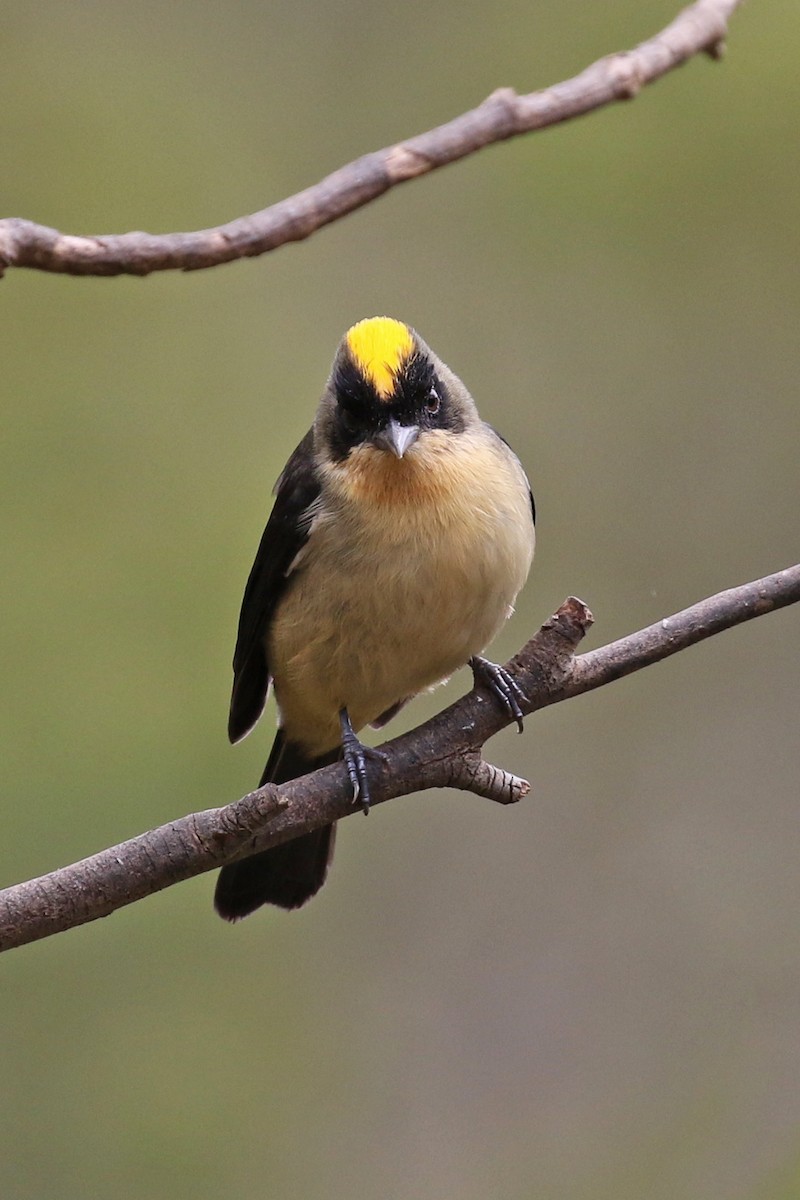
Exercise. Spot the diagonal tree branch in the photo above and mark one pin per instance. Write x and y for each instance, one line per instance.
(701, 27)
(444, 752)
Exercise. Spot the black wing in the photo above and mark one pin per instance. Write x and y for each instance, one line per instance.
(285, 535)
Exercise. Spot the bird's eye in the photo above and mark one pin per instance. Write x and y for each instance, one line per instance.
(433, 402)
(349, 419)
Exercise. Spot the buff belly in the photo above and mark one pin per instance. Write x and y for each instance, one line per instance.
(388, 599)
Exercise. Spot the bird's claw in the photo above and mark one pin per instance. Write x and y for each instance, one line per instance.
(502, 685)
(355, 759)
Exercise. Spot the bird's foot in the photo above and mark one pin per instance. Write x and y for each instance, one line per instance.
(501, 684)
(355, 758)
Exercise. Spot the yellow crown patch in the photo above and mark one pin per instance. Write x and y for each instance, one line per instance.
(379, 346)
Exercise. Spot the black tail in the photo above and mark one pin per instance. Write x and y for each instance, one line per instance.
(291, 873)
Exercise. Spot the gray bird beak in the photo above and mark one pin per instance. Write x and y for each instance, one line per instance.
(397, 438)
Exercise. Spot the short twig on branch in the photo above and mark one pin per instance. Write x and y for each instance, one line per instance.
(444, 752)
(700, 28)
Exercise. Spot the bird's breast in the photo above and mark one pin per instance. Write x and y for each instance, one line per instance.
(411, 567)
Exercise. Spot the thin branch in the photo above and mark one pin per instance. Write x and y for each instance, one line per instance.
(444, 752)
(701, 27)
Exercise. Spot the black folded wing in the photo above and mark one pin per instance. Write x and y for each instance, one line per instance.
(285, 535)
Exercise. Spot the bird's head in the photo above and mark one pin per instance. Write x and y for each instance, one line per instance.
(387, 392)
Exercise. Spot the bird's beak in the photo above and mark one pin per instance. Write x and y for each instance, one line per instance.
(397, 438)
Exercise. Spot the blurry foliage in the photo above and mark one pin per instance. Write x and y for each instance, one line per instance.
(593, 995)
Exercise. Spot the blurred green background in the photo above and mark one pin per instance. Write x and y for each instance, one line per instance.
(595, 994)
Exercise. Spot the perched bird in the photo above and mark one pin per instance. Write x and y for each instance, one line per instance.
(402, 531)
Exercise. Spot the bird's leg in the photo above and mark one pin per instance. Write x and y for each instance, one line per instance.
(502, 685)
(355, 757)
